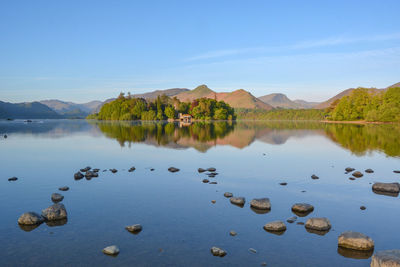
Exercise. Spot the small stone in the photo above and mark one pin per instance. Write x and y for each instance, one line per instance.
(96, 170)
(12, 179)
(300, 223)
(319, 224)
(369, 171)
(114, 170)
(357, 174)
(63, 188)
(211, 176)
(263, 263)
(111, 250)
(284, 183)
(352, 178)
(173, 169)
(200, 170)
(363, 208)
(152, 169)
(5, 136)
(252, 250)
(55, 212)
(213, 201)
(261, 203)
(232, 233)
(238, 200)
(212, 169)
(302, 208)
(355, 240)
(213, 182)
(218, 252)
(396, 171)
(85, 169)
(349, 169)
(276, 226)
(55, 197)
(131, 169)
(135, 228)
(206, 181)
(78, 176)
(90, 174)
(292, 219)
(228, 194)
(386, 258)
(30, 218)
(314, 177)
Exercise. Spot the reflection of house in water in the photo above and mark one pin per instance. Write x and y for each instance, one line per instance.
(185, 119)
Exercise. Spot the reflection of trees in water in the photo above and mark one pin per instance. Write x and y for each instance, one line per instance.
(359, 139)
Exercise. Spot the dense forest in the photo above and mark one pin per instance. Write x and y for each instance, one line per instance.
(368, 105)
(127, 108)
(281, 114)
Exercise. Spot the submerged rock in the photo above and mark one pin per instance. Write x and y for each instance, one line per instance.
(355, 240)
(135, 228)
(357, 174)
(228, 194)
(55, 197)
(276, 226)
(173, 169)
(78, 176)
(386, 258)
(96, 170)
(355, 254)
(218, 252)
(319, 224)
(314, 177)
(55, 212)
(12, 179)
(363, 208)
(252, 250)
(30, 218)
(369, 170)
(63, 188)
(352, 178)
(386, 187)
(260, 203)
(292, 219)
(213, 182)
(240, 201)
(302, 209)
(111, 250)
(85, 169)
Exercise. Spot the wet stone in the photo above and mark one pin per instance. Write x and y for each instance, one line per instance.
(363, 208)
(386, 187)
(111, 250)
(78, 176)
(55, 212)
(200, 170)
(213, 182)
(228, 194)
(276, 226)
(369, 171)
(283, 183)
(219, 252)
(291, 219)
(302, 208)
(357, 174)
(238, 200)
(355, 240)
(252, 250)
(212, 169)
(206, 181)
(232, 233)
(319, 224)
(386, 258)
(352, 178)
(114, 170)
(173, 169)
(30, 218)
(213, 201)
(261, 203)
(56, 197)
(12, 179)
(135, 228)
(131, 169)
(63, 188)
(314, 177)
(349, 169)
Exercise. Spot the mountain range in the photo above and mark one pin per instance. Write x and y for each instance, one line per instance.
(56, 109)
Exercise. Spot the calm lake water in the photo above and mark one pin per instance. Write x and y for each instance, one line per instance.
(180, 224)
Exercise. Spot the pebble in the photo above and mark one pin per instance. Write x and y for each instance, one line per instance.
(363, 208)
(213, 201)
(228, 194)
(135, 228)
(252, 250)
(63, 188)
(206, 181)
(111, 250)
(12, 179)
(232, 233)
(314, 177)
(284, 183)
(218, 252)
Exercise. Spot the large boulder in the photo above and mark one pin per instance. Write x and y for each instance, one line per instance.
(386, 258)
(261, 203)
(55, 212)
(318, 224)
(355, 240)
(386, 187)
(276, 226)
(30, 218)
(238, 201)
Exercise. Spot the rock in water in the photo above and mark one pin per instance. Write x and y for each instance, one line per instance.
(64, 188)
(131, 169)
(357, 174)
(276, 226)
(213, 182)
(284, 183)
(302, 209)
(314, 177)
(386, 187)
(363, 208)
(228, 194)
(212, 169)
(292, 219)
(396, 171)
(12, 179)
(369, 171)
(238, 200)
(213, 201)
(113, 170)
(218, 252)
(261, 203)
(173, 169)
(30, 218)
(232, 233)
(200, 170)
(135, 228)
(252, 250)
(319, 224)
(206, 181)
(349, 169)
(55, 212)
(55, 197)
(111, 250)
(355, 240)
(386, 258)
(78, 176)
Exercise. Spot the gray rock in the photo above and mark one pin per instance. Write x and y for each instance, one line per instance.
(238, 200)
(302, 209)
(386, 258)
(349, 169)
(357, 174)
(314, 177)
(386, 187)
(252, 250)
(292, 219)
(319, 224)
(276, 226)
(232, 233)
(90, 174)
(261, 203)
(228, 194)
(369, 171)
(284, 183)
(55, 212)
(63, 188)
(12, 179)
(173, 169)
(55, 197)
(78, 176)
(135, 228)
(355, 240)
(212, 169)
(30, 218)
(218, 252)
(111, 250)
(96, 170)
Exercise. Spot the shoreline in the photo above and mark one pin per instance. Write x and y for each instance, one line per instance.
(357, 122)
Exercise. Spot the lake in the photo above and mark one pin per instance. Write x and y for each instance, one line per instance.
(180, 223)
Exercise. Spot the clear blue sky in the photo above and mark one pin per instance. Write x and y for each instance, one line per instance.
(86, 50)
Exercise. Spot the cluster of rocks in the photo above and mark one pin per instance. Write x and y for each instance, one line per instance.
(88, 173)
(210, 172)
(54, 215)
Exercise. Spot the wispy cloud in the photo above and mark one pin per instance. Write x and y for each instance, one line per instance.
(332, 41)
